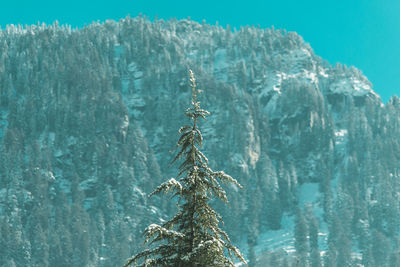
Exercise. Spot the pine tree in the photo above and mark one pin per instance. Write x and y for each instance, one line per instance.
(193, 236)
(301, 240)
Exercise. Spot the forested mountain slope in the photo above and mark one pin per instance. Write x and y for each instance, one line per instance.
(88, 118)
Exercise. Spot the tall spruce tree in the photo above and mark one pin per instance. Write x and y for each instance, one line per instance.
(193, 236)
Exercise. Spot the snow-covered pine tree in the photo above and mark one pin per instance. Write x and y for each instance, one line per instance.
(193, 236)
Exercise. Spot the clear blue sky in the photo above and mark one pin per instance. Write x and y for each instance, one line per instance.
(363, 33)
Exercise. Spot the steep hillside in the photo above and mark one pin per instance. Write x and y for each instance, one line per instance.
(88, 118)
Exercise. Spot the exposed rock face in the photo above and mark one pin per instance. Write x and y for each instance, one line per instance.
(88, 118)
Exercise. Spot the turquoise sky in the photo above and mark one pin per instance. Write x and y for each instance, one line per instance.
(363, 33)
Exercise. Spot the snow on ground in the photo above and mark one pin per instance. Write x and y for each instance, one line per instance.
(274, 240)
(283, 239)
(278, 239)
(309, 195)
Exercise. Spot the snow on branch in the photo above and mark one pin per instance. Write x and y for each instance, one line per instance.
(226, 178)
(161, 232)
(170, 185)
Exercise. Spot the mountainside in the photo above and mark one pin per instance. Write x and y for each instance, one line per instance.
(88, 118)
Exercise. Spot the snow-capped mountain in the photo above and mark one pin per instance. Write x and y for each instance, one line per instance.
(89, 116)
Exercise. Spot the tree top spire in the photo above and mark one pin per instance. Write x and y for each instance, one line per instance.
(193, 85)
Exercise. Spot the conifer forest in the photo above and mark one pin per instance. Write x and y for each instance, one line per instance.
(308, 155)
